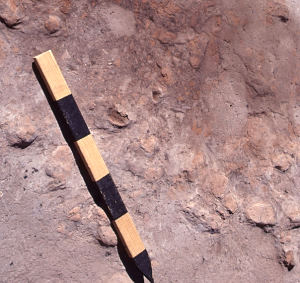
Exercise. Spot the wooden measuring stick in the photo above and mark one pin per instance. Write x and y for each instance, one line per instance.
(93, 161)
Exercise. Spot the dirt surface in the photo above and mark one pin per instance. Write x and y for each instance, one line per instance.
(195, 106)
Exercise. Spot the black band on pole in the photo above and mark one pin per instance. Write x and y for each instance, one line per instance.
(111, 197)
(70, 112)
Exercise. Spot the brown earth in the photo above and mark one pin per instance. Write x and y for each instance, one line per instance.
(195, 106)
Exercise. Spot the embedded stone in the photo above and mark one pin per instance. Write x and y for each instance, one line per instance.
(261, 213)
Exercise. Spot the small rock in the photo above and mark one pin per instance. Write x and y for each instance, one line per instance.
(167, 75)
(217, 182)
(117, 62)
(203, 218)
(74, 210)
(289, 260)
(59, 164)
(75, 217)
(66, 6)
(74, 214)
(118, 119)
(21, 133)
(184, 37)
(261, 213)
(291, 209)
(282, 162)
(53, 24)
(156, 95)
(285, 237)
(197, 47)
(10, 14)
(153, 173)
(277, 10)
(101, 217)
(149, 144)
(195, 61)
(136, 167)
(107, 236)
(61, 228)
(164, 36)
(230, 203)
(261, 137)
(55, 185)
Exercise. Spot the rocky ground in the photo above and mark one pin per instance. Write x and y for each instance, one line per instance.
(195, 106)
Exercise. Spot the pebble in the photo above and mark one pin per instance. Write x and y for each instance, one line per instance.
(59, 164)
(66, 6)
(74, 210)
(107, 236)
(195, 61)
(261, 213)
(164, 36)
(260, 136)
(217, 183)
(75, 217)
(20, 132)
(61, 228)
(230, 203)
(167, 74)
(285, 237)
(101, 216)
(10, 14)
(291, 209)
(153, 173)
(74, 214)
(156, 95)
(289, 260)
(197, 47)
(118, 119)
(282, 162)
(52, 25)
(149, 144)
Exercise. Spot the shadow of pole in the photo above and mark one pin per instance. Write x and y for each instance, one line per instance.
(129, 264)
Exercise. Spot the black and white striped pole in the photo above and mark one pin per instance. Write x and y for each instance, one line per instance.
(92, 159)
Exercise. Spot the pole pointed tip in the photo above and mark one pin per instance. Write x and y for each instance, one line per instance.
(151, 280)
(143, 263)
